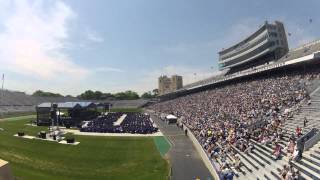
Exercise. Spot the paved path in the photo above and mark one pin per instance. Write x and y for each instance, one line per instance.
(119, 121)
(185, 161)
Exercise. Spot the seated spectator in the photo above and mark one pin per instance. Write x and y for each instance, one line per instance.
(249, 148)
(266, 140)
(298, 131)
(296, 175)
(227, 173)
(290, 147)
(284, 171)
(277, 151)
(295, 155)
(237, 162)
(305, 121)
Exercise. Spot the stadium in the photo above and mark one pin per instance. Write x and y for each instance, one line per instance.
(257, 119)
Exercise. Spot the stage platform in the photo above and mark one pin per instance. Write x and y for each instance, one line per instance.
(5, 171)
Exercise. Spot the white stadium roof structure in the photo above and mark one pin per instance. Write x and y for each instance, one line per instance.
(303, 54)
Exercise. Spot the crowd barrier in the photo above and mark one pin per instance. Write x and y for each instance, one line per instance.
(312, 141)
(301, 142)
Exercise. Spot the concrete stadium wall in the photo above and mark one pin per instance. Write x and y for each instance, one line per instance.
(5, 171)
(213, 170)
(311, 142)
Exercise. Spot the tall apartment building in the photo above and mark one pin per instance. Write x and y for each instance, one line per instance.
(167, 85)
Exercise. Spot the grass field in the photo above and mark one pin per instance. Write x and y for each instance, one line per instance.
(94, 158)
(15, 114)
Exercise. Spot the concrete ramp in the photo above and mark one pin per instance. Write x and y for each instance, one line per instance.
(5, 171)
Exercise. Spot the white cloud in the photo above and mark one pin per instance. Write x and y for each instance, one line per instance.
(107, 69)
(94, 36)
(34, 38)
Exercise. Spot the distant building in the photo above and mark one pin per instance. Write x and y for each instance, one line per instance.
(167, 85)
(268, 43)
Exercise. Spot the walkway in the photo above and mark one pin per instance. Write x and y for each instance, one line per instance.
(119, 121)
(186, 162)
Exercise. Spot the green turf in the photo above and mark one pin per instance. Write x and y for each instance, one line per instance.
(15, 114)
(31, 117)
(94, 158)
(162, 144)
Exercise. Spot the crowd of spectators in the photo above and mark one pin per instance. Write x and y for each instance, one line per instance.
(134, 123)
(138, 123)
(233, 115)
(289, 173)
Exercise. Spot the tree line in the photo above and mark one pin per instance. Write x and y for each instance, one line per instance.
(98, 95)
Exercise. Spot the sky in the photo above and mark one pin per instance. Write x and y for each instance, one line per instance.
(71, 46)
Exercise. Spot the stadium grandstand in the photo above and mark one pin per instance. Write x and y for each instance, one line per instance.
(15, 101)
(268, 43)
(256, 120)
(302, 55)
(128, 103)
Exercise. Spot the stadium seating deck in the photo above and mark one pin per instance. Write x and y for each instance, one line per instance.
(221, 118)
(298, 52)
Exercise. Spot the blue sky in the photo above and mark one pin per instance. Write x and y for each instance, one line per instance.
(116, 45)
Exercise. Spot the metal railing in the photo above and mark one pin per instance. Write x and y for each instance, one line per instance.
(312, 141)
(301, 141)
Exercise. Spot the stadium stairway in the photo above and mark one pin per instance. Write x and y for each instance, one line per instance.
(310, 162)
(260, 164)
(309, 111)
(263, 165)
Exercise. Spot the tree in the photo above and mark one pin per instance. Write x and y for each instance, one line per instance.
(98, 95)
(46, 94)
(155, 92)
(150, 94)
(107, 96)
(147, 95)
(89, 94)
(127, 95)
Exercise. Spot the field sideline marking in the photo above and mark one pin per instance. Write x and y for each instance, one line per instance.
(169, 140)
